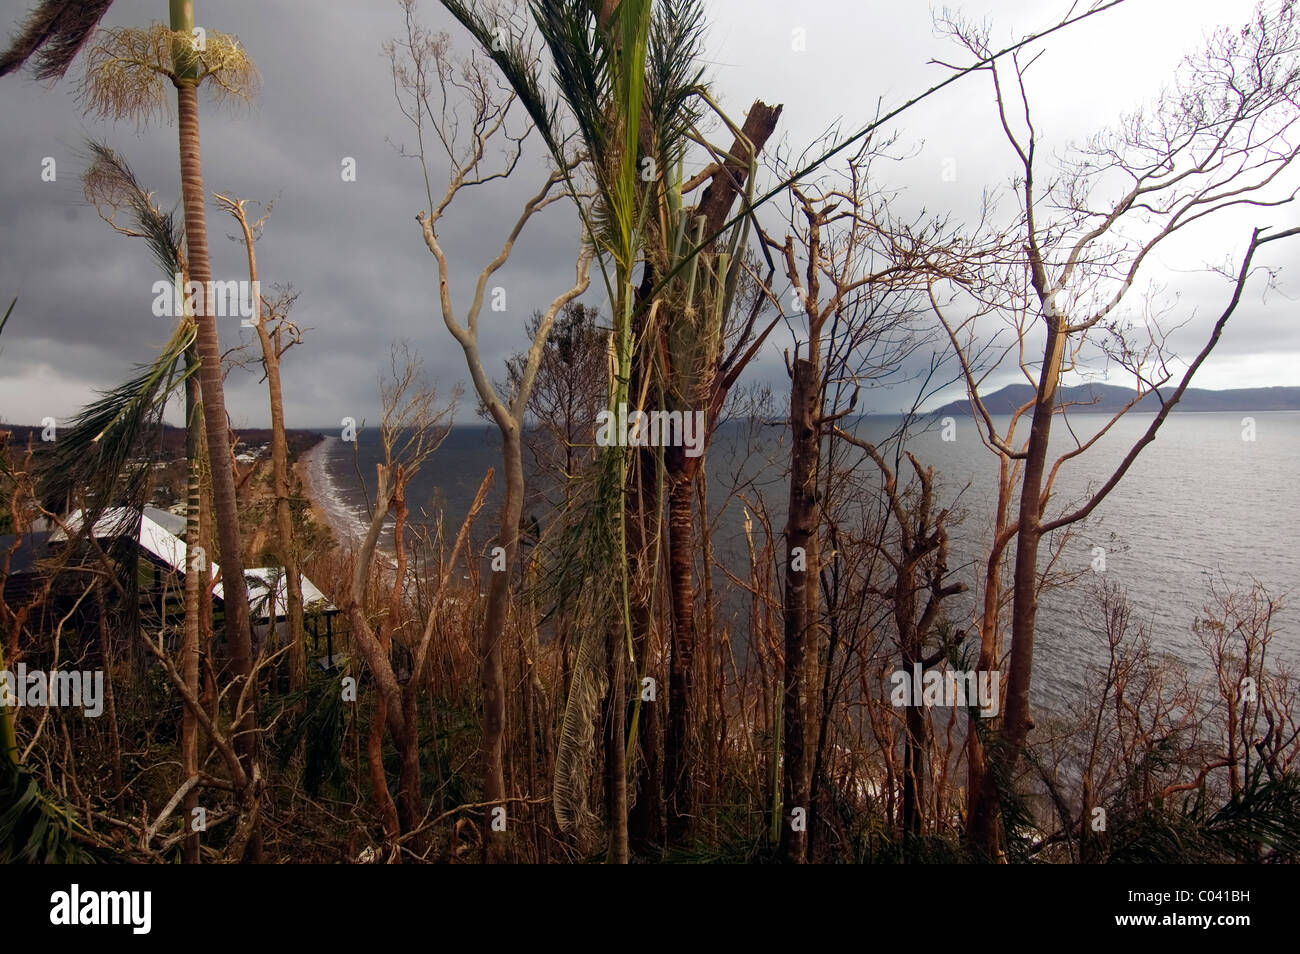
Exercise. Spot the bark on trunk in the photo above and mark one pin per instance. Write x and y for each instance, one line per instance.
(492, 666)
(1024, 607)
(800, 590)
(110, 696)
(280, 478)
(225, 504)
(645, 820)
(616, 748)
(409, 807)
(680, 676)
(981, 816)
(192, 595)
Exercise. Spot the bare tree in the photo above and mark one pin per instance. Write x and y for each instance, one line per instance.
(568, 391)
(1219, 139)
(432, 89)
(412, 428)
(276, 335)
(842, 249)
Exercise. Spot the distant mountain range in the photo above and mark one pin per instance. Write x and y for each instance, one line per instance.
(1109, 398)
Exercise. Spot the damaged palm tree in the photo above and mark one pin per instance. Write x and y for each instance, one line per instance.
(112, 188)
(127, 75)
(628, 77)
(599, 58)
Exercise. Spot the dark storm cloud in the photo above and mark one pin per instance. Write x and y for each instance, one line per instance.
(354, 251)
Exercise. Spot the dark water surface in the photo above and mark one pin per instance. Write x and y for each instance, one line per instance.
(1201, 503)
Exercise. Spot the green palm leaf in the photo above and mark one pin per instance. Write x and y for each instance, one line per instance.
(92, 455)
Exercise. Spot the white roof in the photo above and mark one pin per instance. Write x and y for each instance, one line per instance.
(155, 537)
(260, 582)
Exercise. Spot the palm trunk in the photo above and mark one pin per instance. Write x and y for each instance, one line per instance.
(645, 819)
(715, 207)
(190, 641)
(681, 558)
(616, 748)
(225, 504)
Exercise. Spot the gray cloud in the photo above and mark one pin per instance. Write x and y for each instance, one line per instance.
(353, 250)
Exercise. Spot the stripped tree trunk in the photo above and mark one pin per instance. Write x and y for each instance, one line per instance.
(681, 558)
(727, 185)
(616, 747)
(800, 600)
(645, 820)
(1024, 608)
(279, 466)
(492, 665)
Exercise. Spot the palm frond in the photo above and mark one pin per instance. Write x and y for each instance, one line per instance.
(53, 35)
(1261, 822)
(92, 455)
(109, 182)
(519, 66)
(1265, 818)
(585, 542)
(34, 829)
(628, 79)
(580, 59)
(130, 72)
(576, 745)
(673, 75)
(599, 68)
(318, 720)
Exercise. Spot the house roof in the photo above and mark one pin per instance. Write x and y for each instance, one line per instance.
(263, 580)
(159, 534)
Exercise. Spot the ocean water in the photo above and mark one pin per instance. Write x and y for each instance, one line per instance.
(1201, 504)
(443, 489)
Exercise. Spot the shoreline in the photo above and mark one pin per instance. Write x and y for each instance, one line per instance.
(313, 472)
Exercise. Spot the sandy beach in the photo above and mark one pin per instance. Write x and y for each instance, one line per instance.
(313, 473)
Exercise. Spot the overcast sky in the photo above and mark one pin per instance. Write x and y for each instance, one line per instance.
(353, 249)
